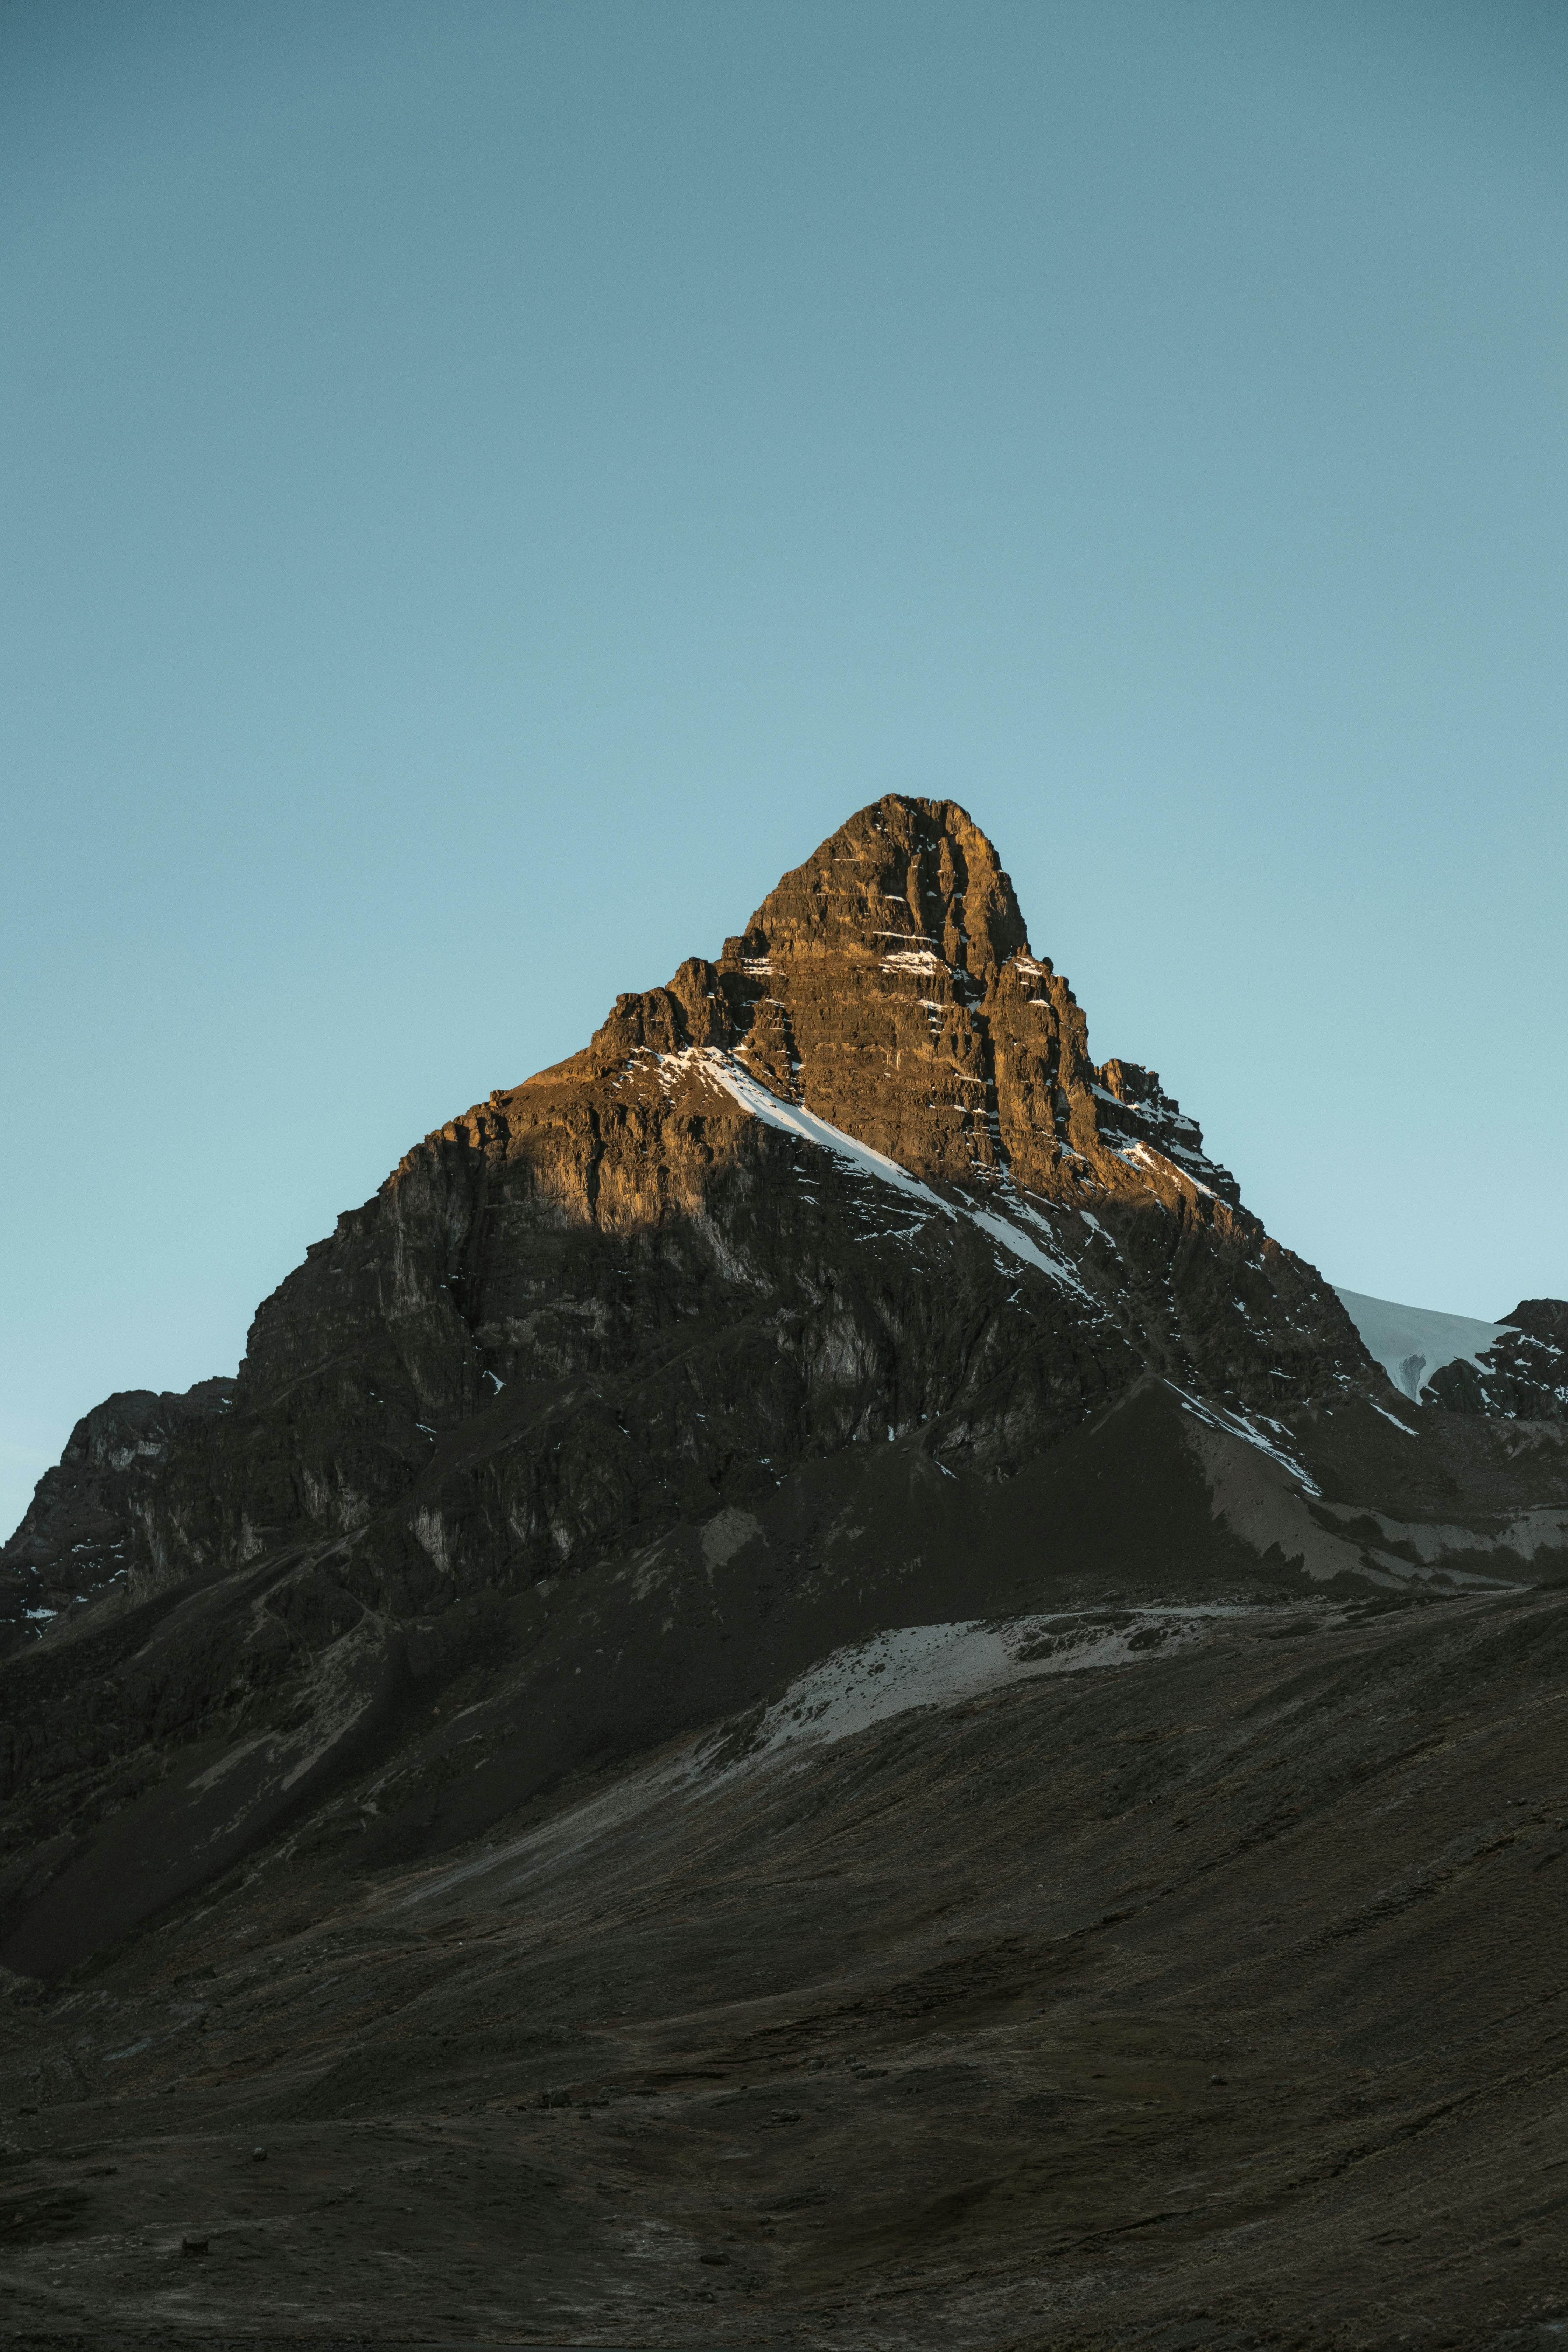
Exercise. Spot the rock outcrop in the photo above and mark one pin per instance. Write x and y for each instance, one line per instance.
(831, 1288)
(76, 1539)
(1524, 1376)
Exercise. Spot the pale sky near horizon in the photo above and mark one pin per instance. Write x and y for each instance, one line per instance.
(487, 486)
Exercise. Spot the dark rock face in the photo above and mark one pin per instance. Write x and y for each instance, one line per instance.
(1524, 1376)
(74, 1541)
(808, 1690)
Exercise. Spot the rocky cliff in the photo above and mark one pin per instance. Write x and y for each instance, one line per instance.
(74, 1541)
(1523, 1375)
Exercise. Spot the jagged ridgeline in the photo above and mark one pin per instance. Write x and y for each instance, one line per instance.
(832, 1287)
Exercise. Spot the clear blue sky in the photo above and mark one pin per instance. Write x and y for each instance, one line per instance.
(487, 487)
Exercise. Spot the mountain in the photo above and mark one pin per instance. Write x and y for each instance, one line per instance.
(717, 1590)
(1517, 1368)
(75, 1541)
(1523, 1375)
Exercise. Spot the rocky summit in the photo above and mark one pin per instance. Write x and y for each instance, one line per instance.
(808, 1691)
(74, 1541)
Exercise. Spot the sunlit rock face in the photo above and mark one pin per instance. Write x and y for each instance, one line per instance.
(889, 985)
(1523, 1375)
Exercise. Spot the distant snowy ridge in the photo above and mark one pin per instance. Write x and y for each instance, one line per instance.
(1412, 1343)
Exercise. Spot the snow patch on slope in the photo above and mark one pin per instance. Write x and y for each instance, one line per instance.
(1148, 1161)
(1412, 1343)
(918, 959)
(942, 1665)
(1032, 1249)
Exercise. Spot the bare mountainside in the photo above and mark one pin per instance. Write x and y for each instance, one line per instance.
(809, 1692)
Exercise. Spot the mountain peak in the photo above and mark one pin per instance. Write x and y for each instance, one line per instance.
(901, 875)
(886, 985)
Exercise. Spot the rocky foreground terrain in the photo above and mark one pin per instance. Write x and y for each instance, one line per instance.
(807, 1693)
